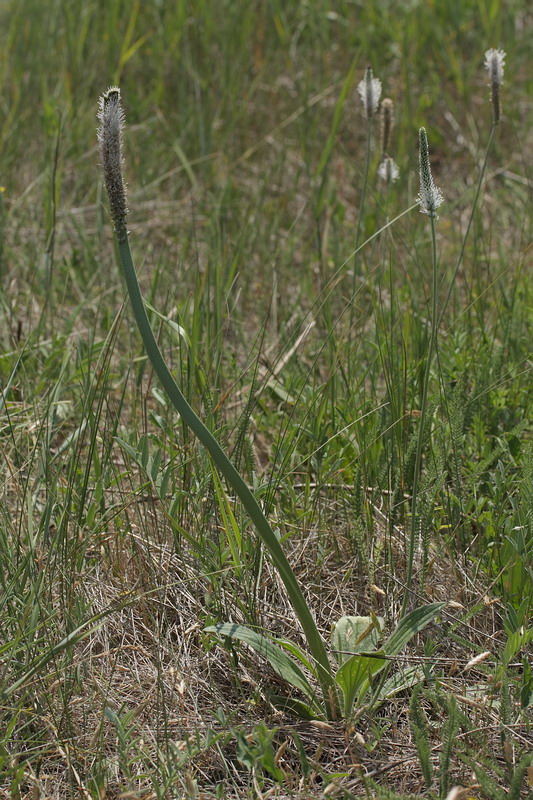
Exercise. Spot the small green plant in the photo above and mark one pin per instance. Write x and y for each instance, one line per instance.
(355, 642)
(255, 751)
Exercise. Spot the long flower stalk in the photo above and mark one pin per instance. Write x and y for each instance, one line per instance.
(494, 64)
(110, 136)
(370, 92)
(429, 198)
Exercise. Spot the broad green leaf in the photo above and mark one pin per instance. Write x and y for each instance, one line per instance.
(298, 653)
(277, 389)
(277, 658)
(409, 626)
(354, 676)
(405, 679)
(294, 706)
(353, 635)
(127, 447)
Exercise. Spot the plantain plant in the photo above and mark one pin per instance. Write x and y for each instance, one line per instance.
(354, 638)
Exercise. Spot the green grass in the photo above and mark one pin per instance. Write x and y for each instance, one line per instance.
(120, 544)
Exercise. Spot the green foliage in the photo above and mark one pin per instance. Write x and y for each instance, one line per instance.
(272, 651)
(356, 669)
(256, 752)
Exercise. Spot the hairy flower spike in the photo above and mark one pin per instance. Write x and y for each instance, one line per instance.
(388, 170)
(429, 197)
(370, 91)
(111, 116)
(387, 121)
(494, 64)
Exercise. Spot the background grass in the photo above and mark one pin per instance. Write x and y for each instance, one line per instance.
(245, 161)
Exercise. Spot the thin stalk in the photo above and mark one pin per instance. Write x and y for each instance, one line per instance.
(421, 432)
(463, 243)
(234, 479)
(469, 224)
(359, 227)
(363, 198)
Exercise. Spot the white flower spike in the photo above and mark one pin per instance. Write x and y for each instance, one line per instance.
(370, 91)
(388, 170)
(429, 197)
(494, 64)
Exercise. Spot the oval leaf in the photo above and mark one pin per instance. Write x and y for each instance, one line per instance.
(353, 635)
(355, 674)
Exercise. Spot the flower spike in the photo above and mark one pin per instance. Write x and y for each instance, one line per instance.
(494, 64)
(111, 116)
(388, 170)
(370, 91)
(429, 197)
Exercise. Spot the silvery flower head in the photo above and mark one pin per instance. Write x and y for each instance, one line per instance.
(494, 64)
(429, 197)
(388, 170)
(370, 91)
(111, 116)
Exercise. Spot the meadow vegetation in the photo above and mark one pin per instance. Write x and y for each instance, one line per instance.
(298, 563)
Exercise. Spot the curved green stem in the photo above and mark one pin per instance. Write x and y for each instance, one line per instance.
(234, 479)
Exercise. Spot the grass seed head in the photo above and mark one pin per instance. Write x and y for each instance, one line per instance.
(429, 197)
(370, 91)
(494, 64)
(111, 116)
